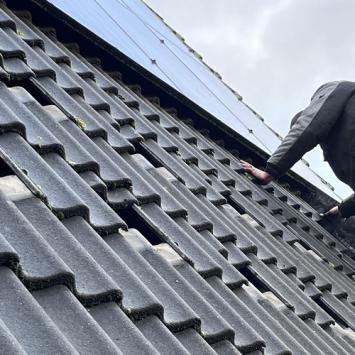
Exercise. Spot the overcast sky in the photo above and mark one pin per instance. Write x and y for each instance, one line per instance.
(275, 53)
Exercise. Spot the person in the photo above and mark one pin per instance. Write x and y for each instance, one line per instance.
(329, 120)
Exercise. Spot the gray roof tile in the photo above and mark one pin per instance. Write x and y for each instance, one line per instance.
(276, 345)
(23, 30)
(38, 272)
(50, 47)
(194, 343)
(42, 338)
(177, 314)
(113, 320)
(36, 133)
(17, 69)
(137, 299)
(246, 339)
(6, 21)
(92, 284)
(213, 328)
(226, 348)
(69, 315)
(160, 337)
(95, 183)
(33, 56)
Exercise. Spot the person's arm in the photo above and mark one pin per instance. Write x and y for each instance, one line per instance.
(347, 207)
(311, 127)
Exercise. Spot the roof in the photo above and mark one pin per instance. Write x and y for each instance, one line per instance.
(136, 31)
(126, 229)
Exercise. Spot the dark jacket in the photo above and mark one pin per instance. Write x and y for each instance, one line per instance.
(329, 120)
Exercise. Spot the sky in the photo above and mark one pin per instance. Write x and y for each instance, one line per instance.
(274, 53)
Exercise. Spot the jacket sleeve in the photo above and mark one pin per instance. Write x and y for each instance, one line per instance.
(312, 126)
(347, 207)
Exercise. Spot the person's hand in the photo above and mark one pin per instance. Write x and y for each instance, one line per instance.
(262, 176)
(332, 212)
